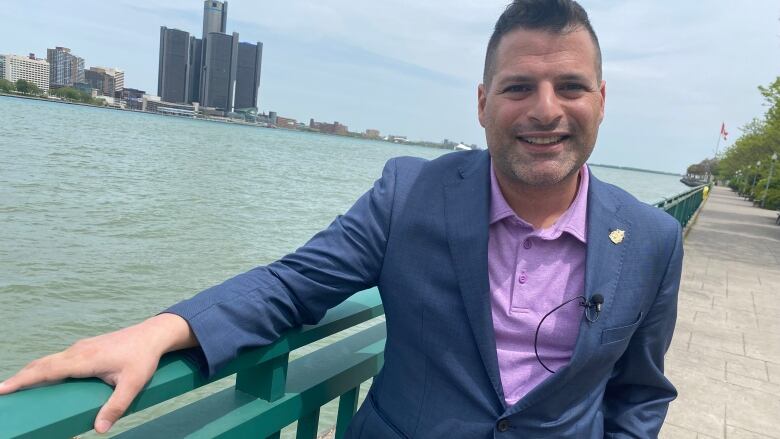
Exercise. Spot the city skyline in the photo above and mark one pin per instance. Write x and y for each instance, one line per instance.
(674, 72)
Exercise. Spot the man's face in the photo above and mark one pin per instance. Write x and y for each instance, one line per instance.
(542, 109)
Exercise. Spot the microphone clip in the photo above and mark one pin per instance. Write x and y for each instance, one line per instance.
(593, 307)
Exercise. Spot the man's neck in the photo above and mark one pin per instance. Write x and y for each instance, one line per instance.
(540, 206)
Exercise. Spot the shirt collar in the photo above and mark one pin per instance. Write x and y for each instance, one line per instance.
(573, 221)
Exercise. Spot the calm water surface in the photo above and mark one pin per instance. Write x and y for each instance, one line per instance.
(107, 217)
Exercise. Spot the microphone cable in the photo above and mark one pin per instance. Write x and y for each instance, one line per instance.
(595, 302)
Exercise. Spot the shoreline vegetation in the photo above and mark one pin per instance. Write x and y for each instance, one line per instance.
(101, 105)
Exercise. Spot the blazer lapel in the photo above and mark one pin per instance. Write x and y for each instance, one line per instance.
(467, 211)
(603, 263)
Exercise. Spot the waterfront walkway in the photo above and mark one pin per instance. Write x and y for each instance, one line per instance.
(725, 356)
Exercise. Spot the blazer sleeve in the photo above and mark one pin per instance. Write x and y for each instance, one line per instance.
(637, 395)
(255, 308)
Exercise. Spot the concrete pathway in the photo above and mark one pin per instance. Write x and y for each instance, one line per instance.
(725, 356)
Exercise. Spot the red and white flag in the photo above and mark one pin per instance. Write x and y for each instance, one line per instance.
(723, 131)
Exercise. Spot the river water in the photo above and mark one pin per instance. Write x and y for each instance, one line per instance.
(107, 217)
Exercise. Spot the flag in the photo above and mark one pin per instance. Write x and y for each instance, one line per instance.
(723, 131)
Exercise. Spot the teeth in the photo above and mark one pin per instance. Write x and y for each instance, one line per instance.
(542, 140)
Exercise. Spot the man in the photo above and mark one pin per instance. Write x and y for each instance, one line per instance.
(494, 251)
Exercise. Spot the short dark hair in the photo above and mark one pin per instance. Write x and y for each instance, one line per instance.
(557, 16)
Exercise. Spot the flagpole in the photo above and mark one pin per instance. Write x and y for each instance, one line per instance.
(717, 148)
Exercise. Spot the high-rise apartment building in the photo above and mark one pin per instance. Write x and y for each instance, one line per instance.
(218, 79)
(119, 78)
(107, 81)
(172, 76)
(65, 68)
(29, 68)
(250, 58)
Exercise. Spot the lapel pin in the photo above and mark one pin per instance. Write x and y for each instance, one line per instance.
(617, 236)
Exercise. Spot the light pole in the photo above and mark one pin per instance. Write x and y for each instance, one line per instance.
(755, 176)
(769, 180)
(742, 182)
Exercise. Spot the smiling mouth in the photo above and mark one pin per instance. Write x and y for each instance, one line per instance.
(543, 141)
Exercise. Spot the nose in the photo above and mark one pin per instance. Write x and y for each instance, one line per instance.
(546, 108)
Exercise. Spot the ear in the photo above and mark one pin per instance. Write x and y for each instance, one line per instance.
(603, 91)
(481, 101)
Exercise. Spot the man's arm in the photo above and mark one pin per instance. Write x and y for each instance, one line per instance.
(125, 359)
(255, 308)
(638, 394)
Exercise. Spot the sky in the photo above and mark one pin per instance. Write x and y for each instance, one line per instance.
(675, 70)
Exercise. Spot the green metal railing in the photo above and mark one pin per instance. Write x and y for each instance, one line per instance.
(270, 392)
(683, 206)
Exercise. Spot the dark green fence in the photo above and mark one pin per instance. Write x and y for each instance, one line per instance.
(684, 205)
(270, 392)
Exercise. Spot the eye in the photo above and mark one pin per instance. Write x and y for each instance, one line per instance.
(517, 88)
(572, 89)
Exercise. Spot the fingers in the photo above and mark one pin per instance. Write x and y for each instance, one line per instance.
(43, 371)
(124, 393)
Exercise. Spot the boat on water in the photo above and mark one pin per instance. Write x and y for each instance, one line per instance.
(692, 181)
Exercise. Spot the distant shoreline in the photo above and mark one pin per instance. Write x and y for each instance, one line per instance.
(211, 119)
(237, 122)
(628, 168)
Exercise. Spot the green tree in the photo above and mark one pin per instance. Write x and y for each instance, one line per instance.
(28, 88)
(74, 95)
(7, 86)
(760, 139)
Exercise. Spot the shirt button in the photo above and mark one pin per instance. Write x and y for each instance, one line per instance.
(527, 244)
(503, 425)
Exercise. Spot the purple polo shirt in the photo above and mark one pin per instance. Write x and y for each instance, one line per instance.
(531, 272)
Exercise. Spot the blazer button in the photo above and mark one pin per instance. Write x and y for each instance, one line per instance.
(503, 425)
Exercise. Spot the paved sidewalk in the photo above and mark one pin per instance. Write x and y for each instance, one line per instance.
(725, 356)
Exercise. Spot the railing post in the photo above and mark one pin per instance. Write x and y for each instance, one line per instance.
(307, 425)
(347, 407)
(265, 381)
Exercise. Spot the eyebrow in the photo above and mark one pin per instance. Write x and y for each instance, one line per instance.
(526, 78)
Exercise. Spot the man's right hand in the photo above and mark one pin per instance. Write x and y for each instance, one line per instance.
(125, 359)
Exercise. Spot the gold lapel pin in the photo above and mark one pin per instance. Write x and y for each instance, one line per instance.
(617, 236)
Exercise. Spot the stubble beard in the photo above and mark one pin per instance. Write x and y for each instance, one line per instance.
(540, 171)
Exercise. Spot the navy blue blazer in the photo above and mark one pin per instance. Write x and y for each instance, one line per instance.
(421, 236)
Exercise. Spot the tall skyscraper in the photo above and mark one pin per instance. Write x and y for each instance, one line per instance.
(65, 69)
(214, 17)
(250, 58)
(172, 75)
(219, 72)
(217, 82)
(195, 68)
(214, 21)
